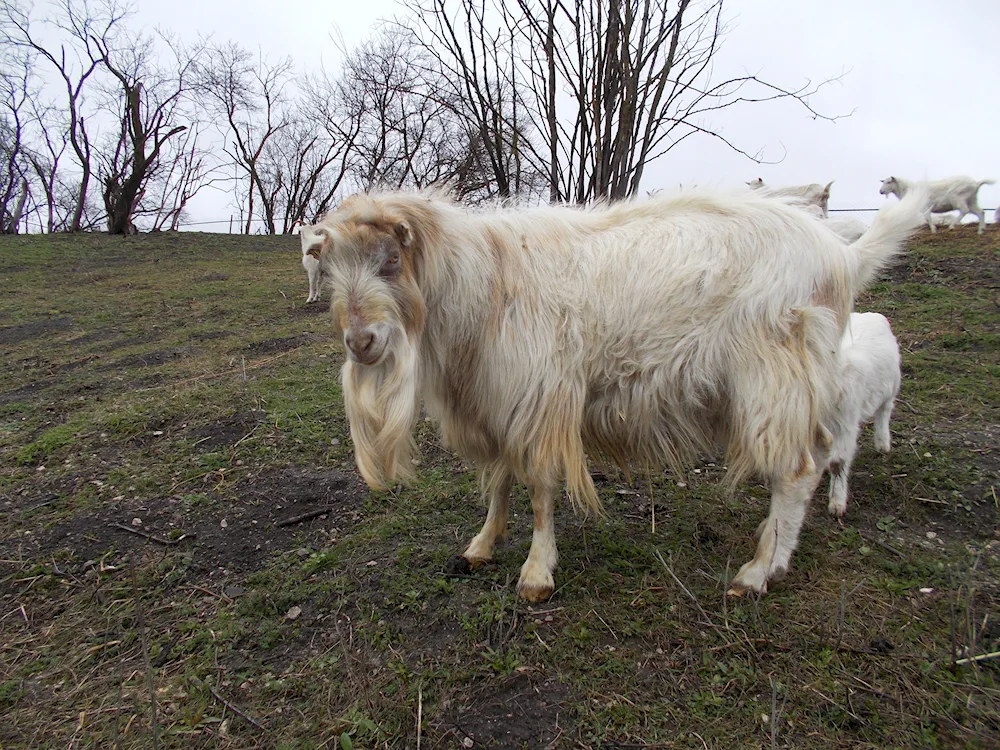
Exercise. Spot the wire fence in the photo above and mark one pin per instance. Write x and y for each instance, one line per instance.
(235, 225)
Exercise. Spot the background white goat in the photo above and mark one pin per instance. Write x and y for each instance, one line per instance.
(310, 259)
(812, 194)
(943, 220)
(953, 193)
(870, 381)
(644, 332)
(847, 228)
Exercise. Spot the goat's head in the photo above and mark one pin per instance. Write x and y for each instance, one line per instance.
(756, 184)
(371, 256)
(889, 186)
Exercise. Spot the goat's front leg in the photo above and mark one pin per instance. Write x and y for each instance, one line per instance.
(537, 583)
(496, 485)
(779, 534)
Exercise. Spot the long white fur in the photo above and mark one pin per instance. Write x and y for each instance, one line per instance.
(812, 194)
(953, 193)
(870, 381)
(640, 332)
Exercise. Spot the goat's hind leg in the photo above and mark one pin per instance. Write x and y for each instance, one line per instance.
(780, 532)
(978, 212)
(536, 583)
(314, 278)
(883, 437)
(496, 484)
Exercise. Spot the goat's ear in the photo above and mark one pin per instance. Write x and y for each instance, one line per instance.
(403, 234)
(313, 238)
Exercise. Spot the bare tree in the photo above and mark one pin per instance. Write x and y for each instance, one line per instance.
(146, 99)
(15, 96)
(185, 169)
(75, 25)
(476, 59)
(607, 87)
(51, 138)
(250, 96)
(309, 166)
(407, 132)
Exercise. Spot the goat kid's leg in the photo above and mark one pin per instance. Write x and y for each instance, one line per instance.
(536, 583)
(780, 533)
(841, 457)
(496, 487)
(883, 438)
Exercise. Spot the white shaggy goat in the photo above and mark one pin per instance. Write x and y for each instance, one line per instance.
(943, 220)
(954, 193)
(870, 379)
(310, 260)
(646, 333)
(848, 228)
(813, 194)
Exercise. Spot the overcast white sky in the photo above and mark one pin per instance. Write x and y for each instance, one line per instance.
(923, 79)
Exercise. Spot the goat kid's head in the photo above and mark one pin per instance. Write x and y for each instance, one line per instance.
(889, 186)
(370, 260)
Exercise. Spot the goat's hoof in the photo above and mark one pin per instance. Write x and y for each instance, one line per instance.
(461, 565)
(837, 510)
(535, 593)
(749, 578)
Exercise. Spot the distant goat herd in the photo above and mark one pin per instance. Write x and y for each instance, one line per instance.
(643, 334)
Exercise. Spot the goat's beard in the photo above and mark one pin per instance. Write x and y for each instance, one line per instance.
(381, 403)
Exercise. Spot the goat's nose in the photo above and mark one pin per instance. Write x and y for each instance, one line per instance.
(360, 342)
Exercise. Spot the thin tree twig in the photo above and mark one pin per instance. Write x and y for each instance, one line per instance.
(141, 622)
(978, 658)
(150, 537)
(303, 517)
(234, 709)
(420, 714)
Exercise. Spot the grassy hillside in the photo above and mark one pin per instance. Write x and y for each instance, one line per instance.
(186, 551)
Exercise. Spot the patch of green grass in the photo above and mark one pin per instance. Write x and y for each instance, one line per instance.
(49, 443)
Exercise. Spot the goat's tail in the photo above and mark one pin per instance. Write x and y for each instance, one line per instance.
(985, 182)
(887, 235)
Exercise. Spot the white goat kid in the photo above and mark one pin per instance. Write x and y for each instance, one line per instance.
(870, 381)
(646, 333)
(951, 194)
(813, 194)
(312, 239)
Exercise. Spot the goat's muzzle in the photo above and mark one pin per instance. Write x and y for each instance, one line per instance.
(366, 345)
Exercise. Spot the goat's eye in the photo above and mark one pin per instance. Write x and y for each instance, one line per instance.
(391, 265)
